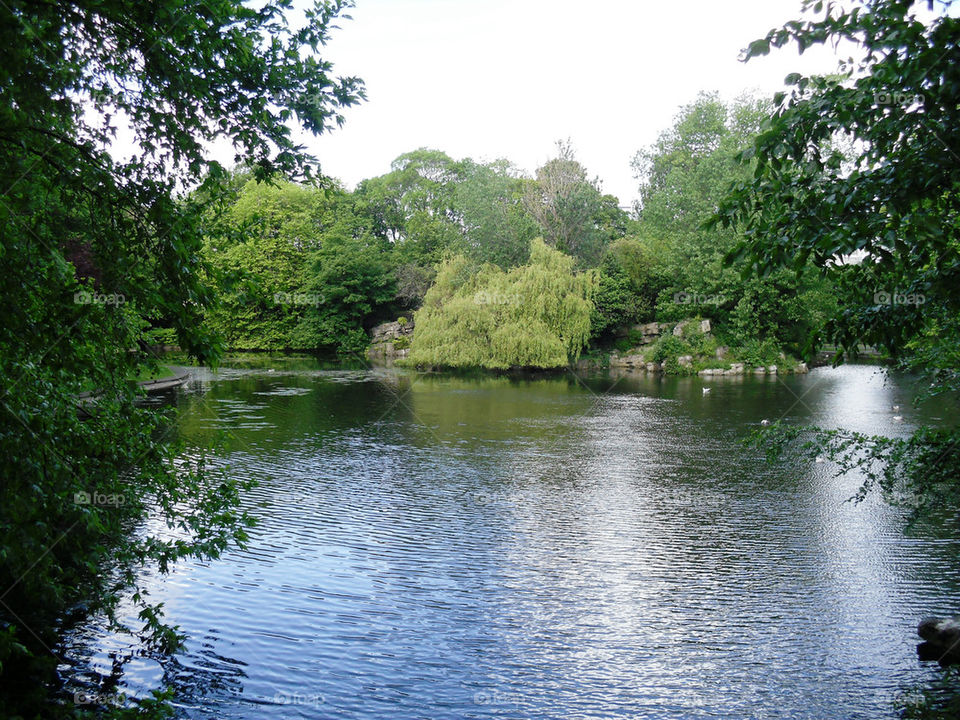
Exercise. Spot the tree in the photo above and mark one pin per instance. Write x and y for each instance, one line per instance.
(573, 214)
(535, 315)
(895, 205)
(884, 224)
(683, 178)
(350, 280)
(94, 247)
(626, 289)
(413, 204)
(261, 256)
(496, 226)
(413, 208)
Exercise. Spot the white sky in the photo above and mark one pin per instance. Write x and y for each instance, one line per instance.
(508, 78)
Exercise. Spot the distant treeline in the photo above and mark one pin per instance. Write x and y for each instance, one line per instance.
(314, 267)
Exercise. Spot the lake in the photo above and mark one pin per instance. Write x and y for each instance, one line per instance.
(576, 546)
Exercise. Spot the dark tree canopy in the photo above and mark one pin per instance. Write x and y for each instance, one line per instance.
(97, 249)
(863, 166)
(859, 172)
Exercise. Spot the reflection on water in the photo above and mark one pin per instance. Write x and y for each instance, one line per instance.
(443, 547)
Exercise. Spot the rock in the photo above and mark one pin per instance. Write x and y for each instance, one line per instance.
(760, 370)
(737, 368)
(704, 326)
(383, 338)
(711, 371)
(942, 636)
(678, 330)
(802, 368)
(389, 331)
(722, 352)
(653, 367)
(627, 361)
(943, 631)
(649, 332)
(685, 361)
(772, 369)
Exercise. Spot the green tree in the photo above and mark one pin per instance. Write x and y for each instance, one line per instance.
(884, 224)
(684, 177)
(535, 315)
(93, 248)
(627, 287)
(573, 215)
(262, 257)
(496, 226)
(413, 204)
(351, 284)
(413, 208)
(896, 203)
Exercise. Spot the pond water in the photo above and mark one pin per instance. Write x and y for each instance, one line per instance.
(595, 546)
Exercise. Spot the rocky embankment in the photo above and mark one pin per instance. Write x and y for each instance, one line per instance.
(390, 340)
(720, 363)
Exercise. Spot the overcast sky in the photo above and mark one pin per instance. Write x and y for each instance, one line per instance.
(508, 78)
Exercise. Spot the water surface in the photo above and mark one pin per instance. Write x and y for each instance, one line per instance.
(577, 547)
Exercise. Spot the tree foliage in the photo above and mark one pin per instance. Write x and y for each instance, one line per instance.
(351, 280)
(413, 205)
(882, 222)
(496, 225)
(535, 315)
(683, 177)
(626, 289)
(97, 248)
(894, 204)
(260, 257)
(573, 215)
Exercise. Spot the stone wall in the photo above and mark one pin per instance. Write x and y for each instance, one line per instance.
(390, 340)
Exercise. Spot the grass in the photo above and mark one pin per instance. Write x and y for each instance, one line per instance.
(160, 373)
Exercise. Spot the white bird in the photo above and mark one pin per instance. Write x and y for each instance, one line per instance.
(764, 422)
(706, 391)
(898, 418)
(896, 408)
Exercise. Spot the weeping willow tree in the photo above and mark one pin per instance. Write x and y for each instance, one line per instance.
(536, 315)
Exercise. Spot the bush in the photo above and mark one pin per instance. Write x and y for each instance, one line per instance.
(757, 353)
(670, 346)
